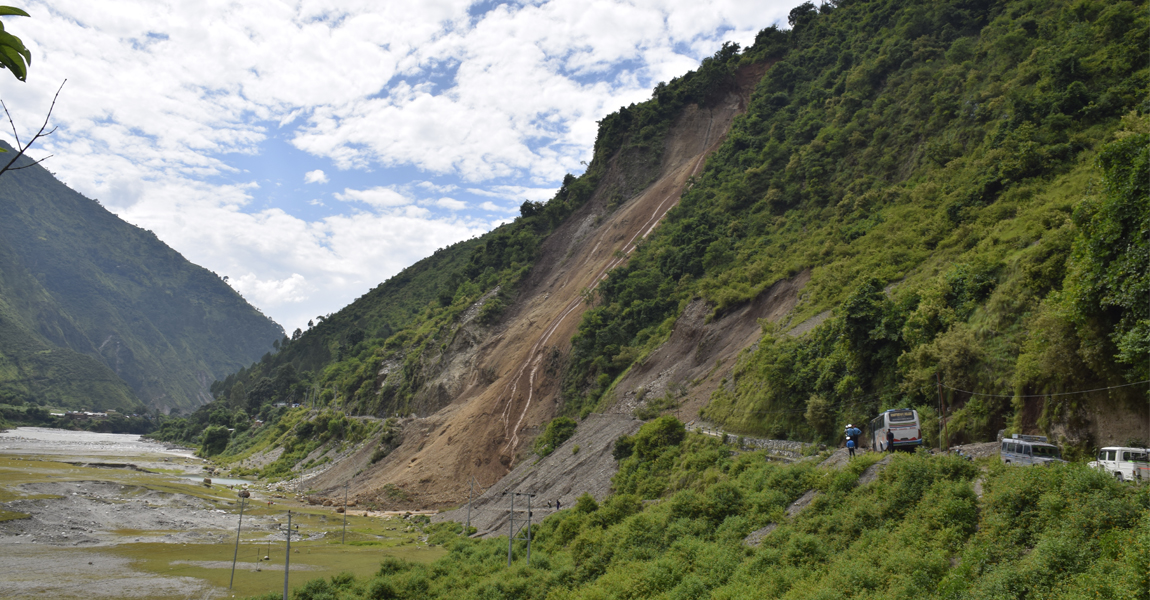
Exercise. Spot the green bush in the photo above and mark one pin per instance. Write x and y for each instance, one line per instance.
(215, 439)
(559, 430)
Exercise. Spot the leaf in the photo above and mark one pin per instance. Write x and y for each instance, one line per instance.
(13, 61)
(12, 11)
(7, 39)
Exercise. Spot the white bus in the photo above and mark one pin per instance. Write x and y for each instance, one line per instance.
(1029, 450)
(905, 425)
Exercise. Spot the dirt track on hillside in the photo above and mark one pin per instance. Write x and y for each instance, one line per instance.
(485, 429)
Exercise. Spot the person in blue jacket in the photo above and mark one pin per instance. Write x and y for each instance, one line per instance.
(851, 447)
(853, 433)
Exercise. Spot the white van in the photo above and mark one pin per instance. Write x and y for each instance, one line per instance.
(1029, 450)
(1126, 464)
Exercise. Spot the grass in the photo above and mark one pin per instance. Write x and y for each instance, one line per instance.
(308, 561)
(9, 515)
(370, 539)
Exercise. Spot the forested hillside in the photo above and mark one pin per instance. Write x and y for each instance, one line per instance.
(963, 181)
(966, 181)
(98, 314)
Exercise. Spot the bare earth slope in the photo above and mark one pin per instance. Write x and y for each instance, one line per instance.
(485, 428)
(561, 476)
(701, 354)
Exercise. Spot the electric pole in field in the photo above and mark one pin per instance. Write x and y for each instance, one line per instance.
(287, 555)
(347, 483)
(244, 495)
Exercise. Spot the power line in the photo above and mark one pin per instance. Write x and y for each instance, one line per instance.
(1113, 387)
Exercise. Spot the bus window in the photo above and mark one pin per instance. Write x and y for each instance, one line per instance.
(1046, 451)
(900, 416)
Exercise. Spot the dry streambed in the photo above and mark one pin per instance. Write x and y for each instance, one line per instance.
(104, 512)
(70, 529)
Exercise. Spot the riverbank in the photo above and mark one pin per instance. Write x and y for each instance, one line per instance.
(114, 516)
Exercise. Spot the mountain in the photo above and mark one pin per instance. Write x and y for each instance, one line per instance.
(938, 205)
(96, 313)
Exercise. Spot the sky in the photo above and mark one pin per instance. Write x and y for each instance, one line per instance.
(310, 150)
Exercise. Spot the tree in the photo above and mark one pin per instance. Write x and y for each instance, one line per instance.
(214, 440)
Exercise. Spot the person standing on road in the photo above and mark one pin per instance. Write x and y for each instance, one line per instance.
(889, 440)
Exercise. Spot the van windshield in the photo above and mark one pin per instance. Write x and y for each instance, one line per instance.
(1046, 451)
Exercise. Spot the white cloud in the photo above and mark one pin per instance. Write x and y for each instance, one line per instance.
(451, 204)
(517, 193)
(493, 207)
(376, 196)
(293, 289)
(165, 99)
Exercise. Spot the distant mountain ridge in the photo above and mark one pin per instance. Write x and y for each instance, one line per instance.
(98, 313)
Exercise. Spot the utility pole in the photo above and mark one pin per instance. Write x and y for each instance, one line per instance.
(470, 491)
(510, 528)
(287, 555)
(511, 532)
(244, 494)
(346, 483)
(529, 496)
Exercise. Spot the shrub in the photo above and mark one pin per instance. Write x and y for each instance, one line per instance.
(559, 430)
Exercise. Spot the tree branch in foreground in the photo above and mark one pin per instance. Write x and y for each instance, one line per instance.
(39, 134)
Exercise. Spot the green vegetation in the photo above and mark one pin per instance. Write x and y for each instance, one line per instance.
(36, 416)
(13, 55)
(960, 178)
(918, 531)
(98, 314)
(559, 430)
(965, 181)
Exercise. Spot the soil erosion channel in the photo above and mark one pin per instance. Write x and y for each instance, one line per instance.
(489, 421)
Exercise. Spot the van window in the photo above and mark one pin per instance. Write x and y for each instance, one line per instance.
(1111, 455)
(1012, 447)
(1138, 457)
(1006, 446)
(1046, 451)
